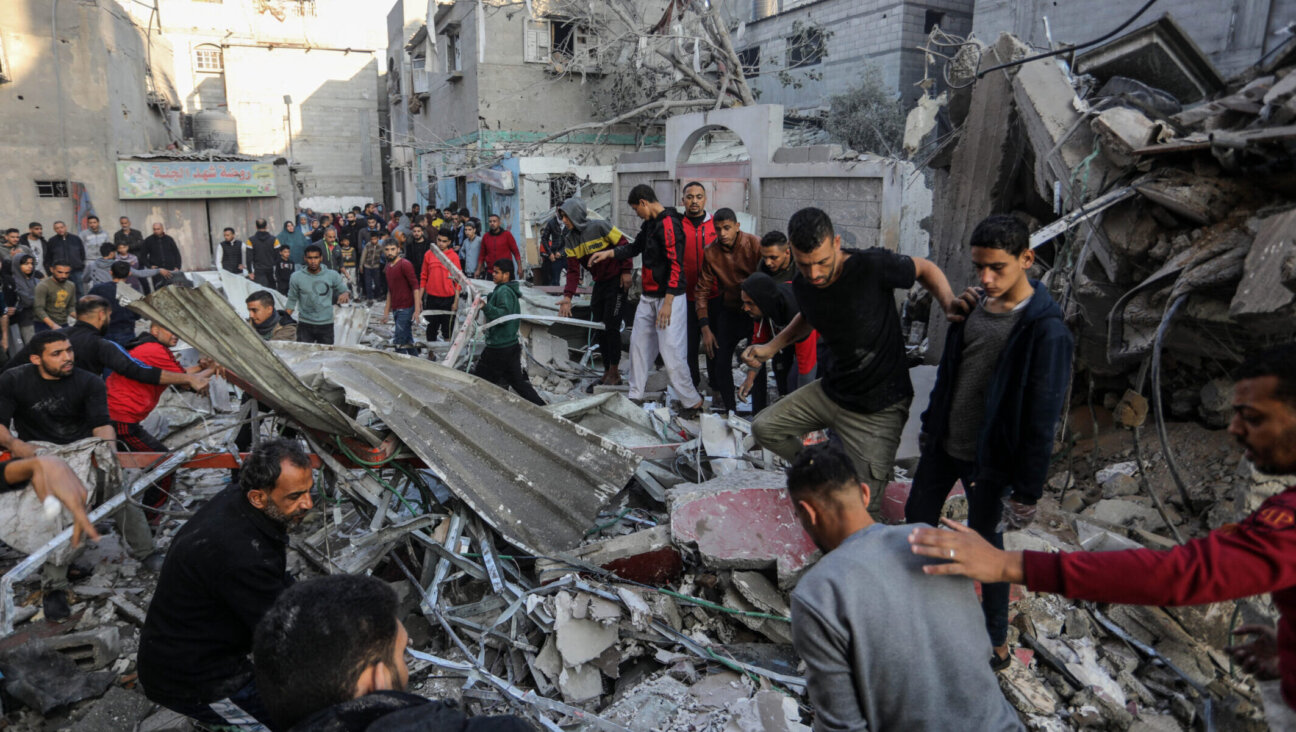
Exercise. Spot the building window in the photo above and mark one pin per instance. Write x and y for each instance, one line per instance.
(393, 79)
(537, 43)
(453, 60)
(750, 60)
(208, 59)
(932, 19)
(52, 188)
(805, 48)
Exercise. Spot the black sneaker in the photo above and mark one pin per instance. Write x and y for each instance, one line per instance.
(56, 606)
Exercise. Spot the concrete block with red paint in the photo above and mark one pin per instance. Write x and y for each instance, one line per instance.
(897, 494)
(743, 520)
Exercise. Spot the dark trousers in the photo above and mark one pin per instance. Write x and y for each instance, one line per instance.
(556, 271)
(438, 323)
(132, 437)
(932, 483)
(729, 326)
(503, 367)
(311, 333)
(375, 284)
(784, 378)
(694, 343)
(241, 710)
(608, 305)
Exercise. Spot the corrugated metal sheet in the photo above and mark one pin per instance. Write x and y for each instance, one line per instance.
(537, 478)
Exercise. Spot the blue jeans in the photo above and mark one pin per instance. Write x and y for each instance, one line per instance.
(932, 483)
(403, 334)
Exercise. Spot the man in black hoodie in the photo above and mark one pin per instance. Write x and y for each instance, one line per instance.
(659, 327)
(996, 403)
(65, 247)
(161, 252)
(313, 678)
(263, 245)
(771, 306)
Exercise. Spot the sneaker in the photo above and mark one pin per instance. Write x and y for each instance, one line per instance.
(56, 606)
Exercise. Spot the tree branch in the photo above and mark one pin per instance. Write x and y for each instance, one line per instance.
(661, 105)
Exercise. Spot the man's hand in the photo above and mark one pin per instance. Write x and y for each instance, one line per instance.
(198, 381)
(1018, 515)
(708, 341)
(627, 279)
(20, 449)
(756, 356)
(52, 477)
(479, 302)
(1259, 657)
(963, 305)
(747, 384)
(966, 553)
(564, 308)
(344, 298)
(663, 314)
(166, 273)
(418, 314)
(600, 256)
(383, 319)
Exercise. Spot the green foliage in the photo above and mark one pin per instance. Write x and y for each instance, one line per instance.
(869, 117)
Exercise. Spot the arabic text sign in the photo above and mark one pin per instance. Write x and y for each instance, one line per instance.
(147, 179)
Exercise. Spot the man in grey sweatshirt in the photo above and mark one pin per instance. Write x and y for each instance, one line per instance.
(886, 646)
(311, 293)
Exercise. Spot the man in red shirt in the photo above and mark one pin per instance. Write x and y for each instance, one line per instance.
(699, 233)
(497, 244)
(130, 402)
(402, 288)
(1236, 560)
(440, 289)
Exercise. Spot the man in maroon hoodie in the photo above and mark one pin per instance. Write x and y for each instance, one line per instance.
(497, 244)
(1238, 560)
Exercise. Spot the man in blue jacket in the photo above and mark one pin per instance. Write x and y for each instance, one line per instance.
(999, 390)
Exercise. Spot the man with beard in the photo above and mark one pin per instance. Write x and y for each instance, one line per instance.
(404, 301)
(49, 400)
(718, 302)
(699, 233)
(68, 248)
(416, 248)
(161, 252)
(1251, 557)
(314, 679)
(224, 570)
(498, 243)
(262, 255)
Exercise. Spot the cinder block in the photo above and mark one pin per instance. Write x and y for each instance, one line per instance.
(90, 650)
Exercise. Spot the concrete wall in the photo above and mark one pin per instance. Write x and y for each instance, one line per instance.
(1233, 33)
(882, 33)
(75, 135)
(853, 203)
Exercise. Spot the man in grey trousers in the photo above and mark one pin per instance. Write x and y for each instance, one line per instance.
(886, 646)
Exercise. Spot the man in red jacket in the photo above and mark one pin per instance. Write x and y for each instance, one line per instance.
(699, 233)
(1236, 560)
(130, 401)
(497, 244)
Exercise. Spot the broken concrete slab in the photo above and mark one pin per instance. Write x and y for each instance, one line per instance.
(647, 557)
(1122, 131)
(743, 521)
(581, 683)
(118, 710)
(44, 679)
(1124, 512)
(90, 650)
(720, 690)
(768, 711)
(580, 639)
(1260, 295)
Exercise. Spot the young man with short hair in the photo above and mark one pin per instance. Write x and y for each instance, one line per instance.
(313, 290)
(612, 279)
(848, 295)
(313, 679)
(270, 324)
(439, 288)
(998, 396)
(223, 571)
(261, 254)
(717, 299)
(501, 360)
(659, 327)
(699, 233)
(65, 247)
(34, 240)
(93, 236)
(498, 243)
(55, 298)
(404, 301)
(1254, 556)
(371, 266)
(772, 306)
(231, 252)
(886, 646)
(121, 321)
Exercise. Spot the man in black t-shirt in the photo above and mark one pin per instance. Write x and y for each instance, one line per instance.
(50, 400)
(848, 295)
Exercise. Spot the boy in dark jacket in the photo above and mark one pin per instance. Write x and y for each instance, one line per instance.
(501, 360)
(771, 306)
(283, 270)
(998, 396)
(612, 279)
(659, 327)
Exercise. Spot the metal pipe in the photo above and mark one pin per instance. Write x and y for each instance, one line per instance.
(37, 558)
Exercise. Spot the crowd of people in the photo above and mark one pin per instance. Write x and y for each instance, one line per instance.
(230, 639)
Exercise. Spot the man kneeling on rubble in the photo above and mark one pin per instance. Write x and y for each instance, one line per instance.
(885, 646)
(330, 657)
(225, 568)
(1238, 560)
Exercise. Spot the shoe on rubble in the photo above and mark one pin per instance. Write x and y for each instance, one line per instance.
(56, 606)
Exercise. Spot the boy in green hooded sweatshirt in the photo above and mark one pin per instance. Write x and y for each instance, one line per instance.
(501, 360)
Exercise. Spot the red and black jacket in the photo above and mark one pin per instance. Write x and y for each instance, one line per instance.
(661, 242)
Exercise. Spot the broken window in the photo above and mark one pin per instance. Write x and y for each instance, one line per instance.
(52, 188)
(572, 44)
(453, 59)
(932, 20)
(750, 60)
(538, 45)
(805, 48)
(208, 59)
(562, 187)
